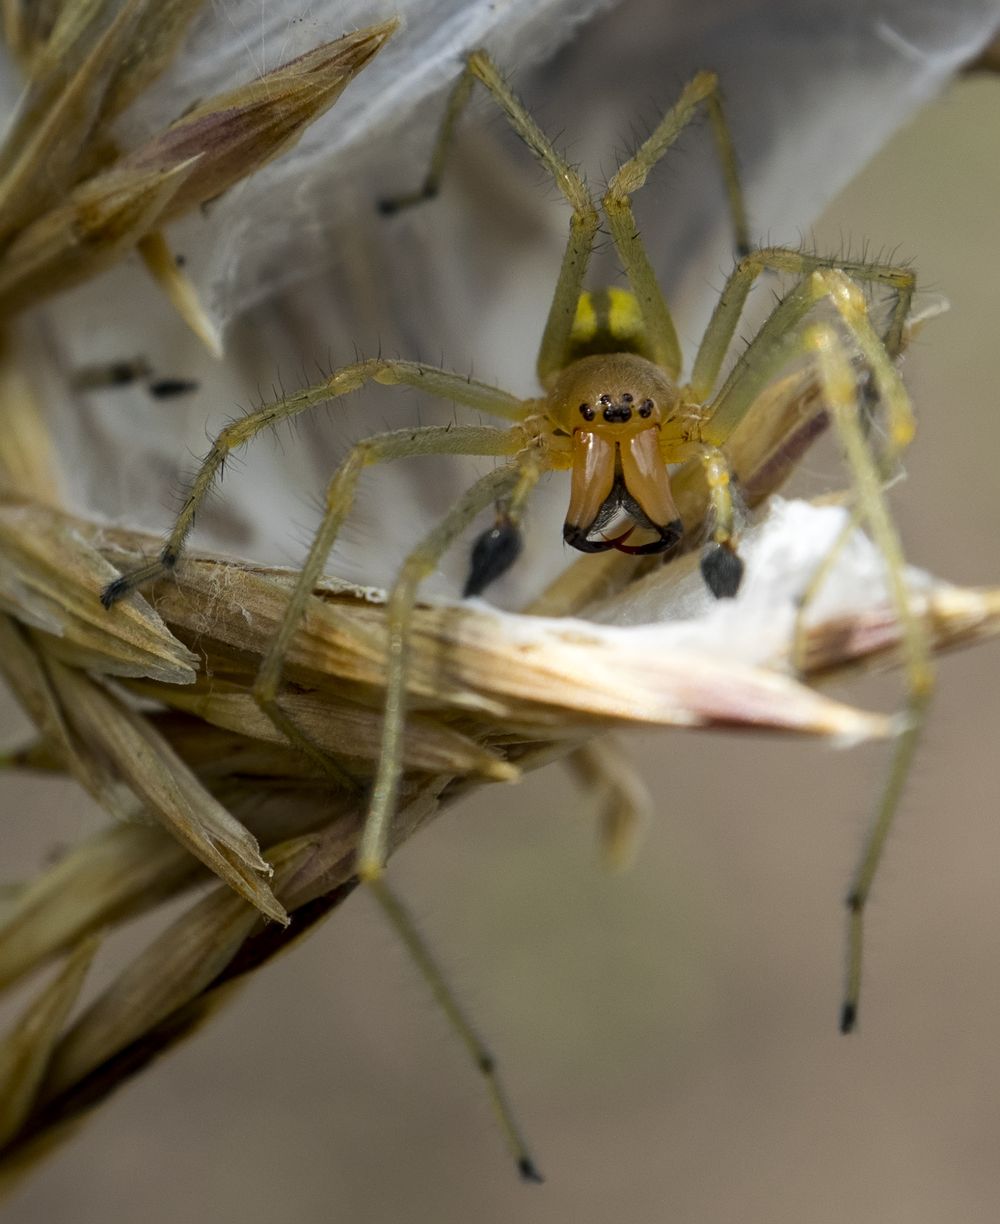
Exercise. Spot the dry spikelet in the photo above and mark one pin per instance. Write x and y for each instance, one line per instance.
(58, 117)
(58, 228)
(26, 1050)
(70, 204)
(236, 133)
(98, 222)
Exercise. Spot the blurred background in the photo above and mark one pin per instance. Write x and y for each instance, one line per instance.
(669, 1037)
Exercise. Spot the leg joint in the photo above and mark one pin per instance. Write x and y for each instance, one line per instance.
(585, 217)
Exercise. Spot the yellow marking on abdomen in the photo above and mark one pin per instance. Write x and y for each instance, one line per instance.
(607, 321)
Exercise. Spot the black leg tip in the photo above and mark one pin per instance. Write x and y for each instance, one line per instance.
(387, 208)
(743, 249)
(493, 554)
(114, 591)
(848, 1017)
(529, 1171)
(722, 570)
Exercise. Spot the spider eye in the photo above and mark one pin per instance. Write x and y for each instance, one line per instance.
(586, 412)
(604, 400)
(645, 408)
(627, 397)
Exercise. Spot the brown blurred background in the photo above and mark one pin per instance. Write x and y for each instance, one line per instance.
(669, 1036)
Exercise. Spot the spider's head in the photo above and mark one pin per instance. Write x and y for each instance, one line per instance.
(612, 405)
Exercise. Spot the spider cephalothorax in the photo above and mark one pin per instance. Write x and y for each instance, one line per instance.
(613, 406)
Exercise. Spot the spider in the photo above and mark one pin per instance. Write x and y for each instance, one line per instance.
(614, 413)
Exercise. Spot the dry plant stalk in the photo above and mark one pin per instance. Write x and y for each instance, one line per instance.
(150, 709)
(495, 694)
(71, 203)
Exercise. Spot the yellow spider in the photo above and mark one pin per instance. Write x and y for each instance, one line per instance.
(615, 413)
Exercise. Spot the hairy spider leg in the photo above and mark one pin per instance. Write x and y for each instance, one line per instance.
(721, 566)
(617, 205)
(465, 391)
(780, 339)
(751, 374)
(787, 332)
(340, 493)
(555, 349)
(404, 926)
(513, 480)
(583, 223)
(719, 334)
(604, 765)
(840, 384)
(819, 576)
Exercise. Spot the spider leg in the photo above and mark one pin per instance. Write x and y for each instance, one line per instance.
(404, 926)
(779, 340)
(840, 386)
(513, 482)
(478, 440)
(785, 334)
(554, 347)
(725, 318)
(464, 391)
(788, 333)
(458, 99)
(818, 578)
(721, 566)
(382, 448)
(496, 550)
(632, 174)
(497, 485)
(604, 765)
